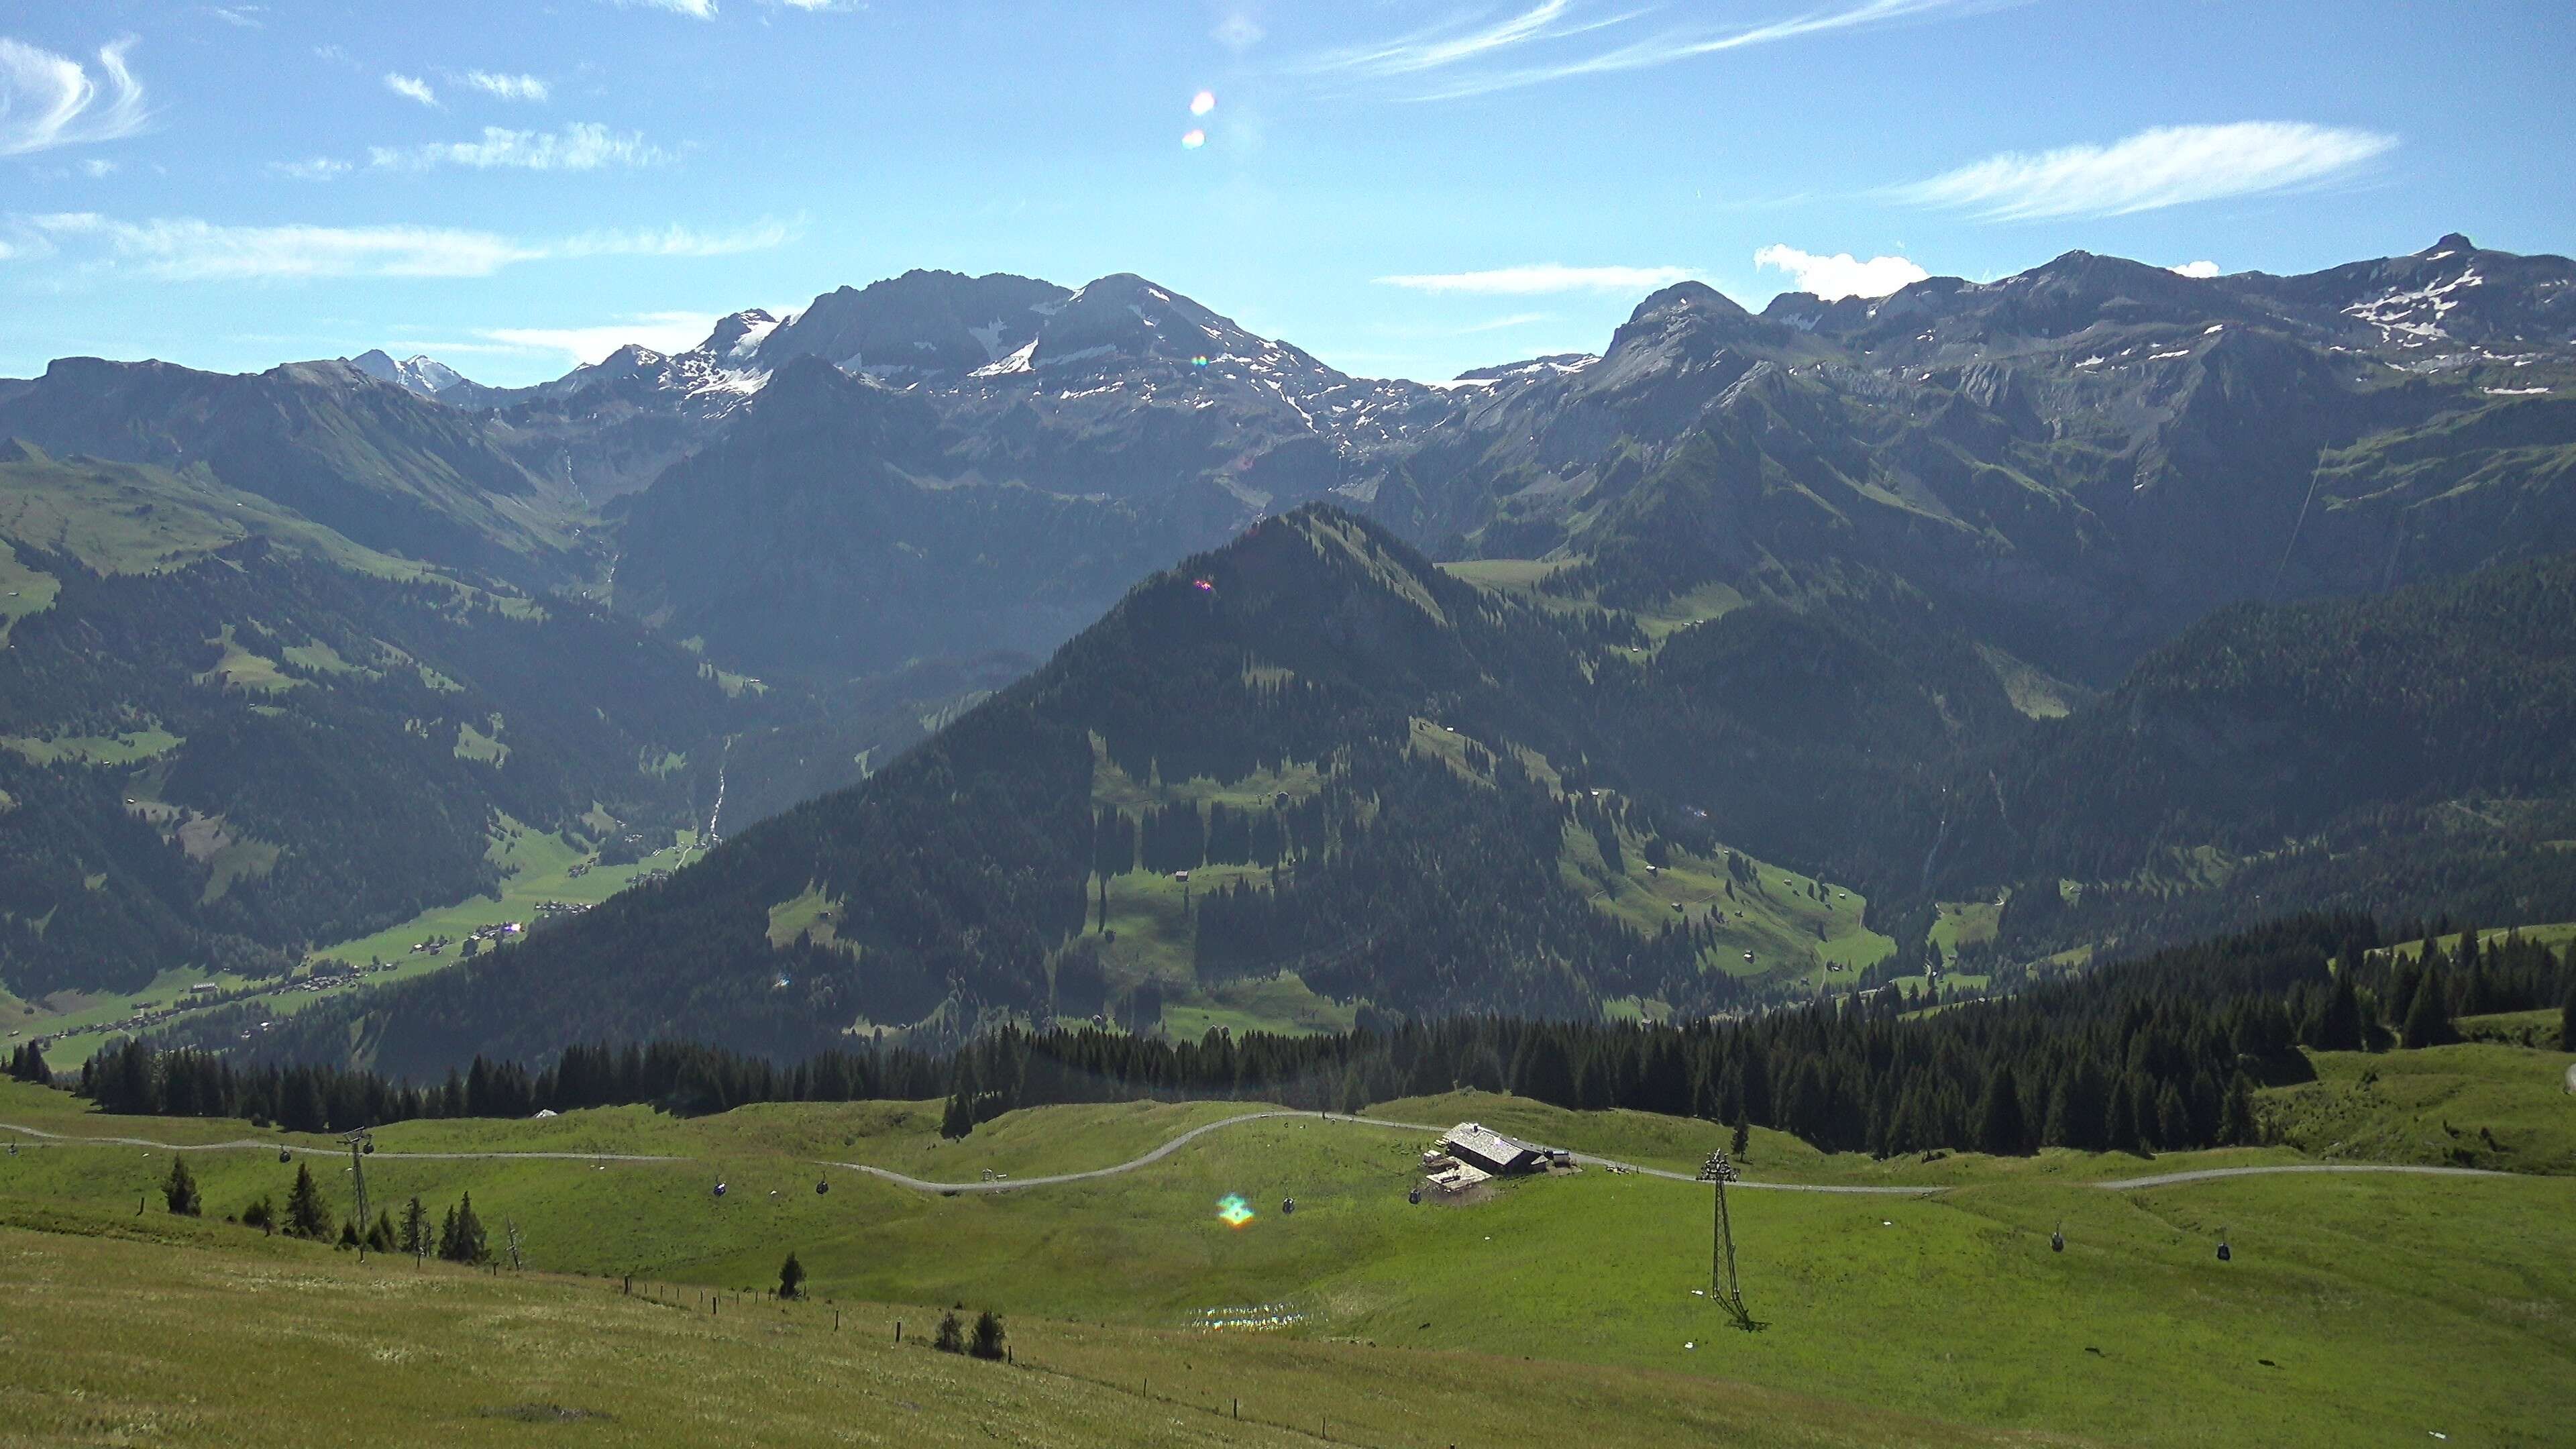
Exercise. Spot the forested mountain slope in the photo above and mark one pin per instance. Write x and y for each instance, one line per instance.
(226, 732)
(1416, 794)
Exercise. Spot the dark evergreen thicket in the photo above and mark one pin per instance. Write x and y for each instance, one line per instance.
(2157, 1053)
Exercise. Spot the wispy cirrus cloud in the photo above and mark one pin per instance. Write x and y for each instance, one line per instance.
(1541, 278)
(581, 146)
(1840, 275)
(318, 168)
(1557, 40)
(187, 249)
(49, 100)
(507, 87)
(694, 9)
(2164, 166)
(410, 88)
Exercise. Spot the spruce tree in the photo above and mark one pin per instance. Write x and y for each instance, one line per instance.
(987, 1342)
(305, 1215)
(1742, 1142)
(2238, 1127)
(415, 1230)
(462, 1239)
(2000, 1127)
(791, 1277)
(951, 1337)
(2567, 1023)
(380, 1237)
(180, 1190)
(2428, 1021)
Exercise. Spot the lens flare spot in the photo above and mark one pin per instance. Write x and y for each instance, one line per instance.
(1199, 361)
(1202, 103)
(1204, 586)
(1193, 138)
(1232, 1210)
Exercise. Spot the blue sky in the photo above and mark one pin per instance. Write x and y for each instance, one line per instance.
(1403, 187)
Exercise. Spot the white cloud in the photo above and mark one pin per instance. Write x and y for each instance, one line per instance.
(190, 250)
(1840, 275)
(1544, 27)
(1541, 278)
(49, 100)
(7, 251)
(679, 241)
(97, 167)
(410, 88)
(660, 331)
(245, 17)
(2166, 166)
(507, 87)
(2195, 269)
(336, 55)
(1238, 32)
(319, 168)
(694, 9)
(581, 146)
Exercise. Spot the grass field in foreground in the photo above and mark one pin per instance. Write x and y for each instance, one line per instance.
(204, 1337)
(2448, 1300)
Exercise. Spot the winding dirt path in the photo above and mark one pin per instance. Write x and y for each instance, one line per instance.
(1157, 1154)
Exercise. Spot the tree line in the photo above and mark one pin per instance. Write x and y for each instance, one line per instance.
(2157, 1053)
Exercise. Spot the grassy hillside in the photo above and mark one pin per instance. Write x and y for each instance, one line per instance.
(2346, 1294)
(473, 1359)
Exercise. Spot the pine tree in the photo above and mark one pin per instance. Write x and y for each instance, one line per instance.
(461, 1239)
(987, 1342)
(261, 1215)
(2238, 1127)
(1742, 1142)
(380, 1237)
(305, 1215)
(2000, 1128)
(2428, 1021)
(2339, 1027)
(951, 1337)
(180, 1190)
(791, 1277)
(415, 1230)
(2567, 1023)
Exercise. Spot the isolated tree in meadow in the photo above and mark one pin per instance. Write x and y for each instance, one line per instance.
(987, 1340)
(261, 1215)
(461, 1238)
(415, 1229)
(180, 1190)
(1742, 1140)
(305, 1215)
(791, 1278)
(951, 1337)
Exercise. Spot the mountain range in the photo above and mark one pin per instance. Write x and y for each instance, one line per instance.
(1974, 593)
